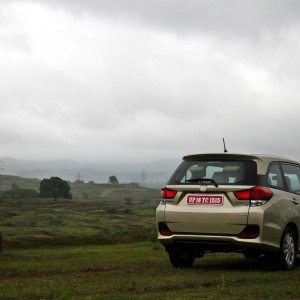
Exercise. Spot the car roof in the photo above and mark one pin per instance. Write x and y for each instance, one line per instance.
(262, 159)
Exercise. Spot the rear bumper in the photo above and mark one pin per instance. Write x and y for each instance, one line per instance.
(217, 243)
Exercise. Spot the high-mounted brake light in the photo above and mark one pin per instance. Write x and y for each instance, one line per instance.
(166, 193)
(255, 193)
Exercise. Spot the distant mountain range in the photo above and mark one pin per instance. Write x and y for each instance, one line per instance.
(153, 174)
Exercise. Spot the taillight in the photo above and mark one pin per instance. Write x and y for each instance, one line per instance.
(166, 193)
(164, 229)
(255, 193)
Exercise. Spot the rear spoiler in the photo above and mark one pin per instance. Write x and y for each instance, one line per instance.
(221, 156)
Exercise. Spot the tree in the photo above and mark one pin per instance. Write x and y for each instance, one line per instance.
(113, 179)
(55, 187)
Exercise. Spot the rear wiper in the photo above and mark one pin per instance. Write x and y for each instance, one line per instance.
(203, 180)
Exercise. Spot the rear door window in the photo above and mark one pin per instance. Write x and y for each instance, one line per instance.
(292, 177)
(221, 171)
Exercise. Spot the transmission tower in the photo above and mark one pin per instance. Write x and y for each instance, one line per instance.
(143, 178)
(79, 178)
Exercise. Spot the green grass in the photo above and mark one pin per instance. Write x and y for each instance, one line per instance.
(98, 213)
(138, 270)
(60, 250)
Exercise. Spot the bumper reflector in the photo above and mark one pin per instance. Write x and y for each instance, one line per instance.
(249, 232)
(164, 229)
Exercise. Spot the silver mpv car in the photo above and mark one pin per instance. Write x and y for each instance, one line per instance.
(231, 202)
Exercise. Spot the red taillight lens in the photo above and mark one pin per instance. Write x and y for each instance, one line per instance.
(255, 193)
(166, 193)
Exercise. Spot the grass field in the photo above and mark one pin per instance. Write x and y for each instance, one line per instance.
(98, 213)
(139, 270)
(101, 245)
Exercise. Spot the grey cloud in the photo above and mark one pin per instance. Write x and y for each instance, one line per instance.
(143, 80)
(230, 18)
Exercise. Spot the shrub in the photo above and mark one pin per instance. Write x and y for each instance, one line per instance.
(16, 192)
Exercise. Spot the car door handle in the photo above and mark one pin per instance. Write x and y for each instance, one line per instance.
(295, 201)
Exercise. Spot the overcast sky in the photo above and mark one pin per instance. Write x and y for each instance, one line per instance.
(148, 79)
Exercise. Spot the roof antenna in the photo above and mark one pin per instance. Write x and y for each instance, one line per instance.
(225, 150)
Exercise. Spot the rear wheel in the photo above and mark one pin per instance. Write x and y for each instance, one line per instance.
(181, 257)
(287, 252)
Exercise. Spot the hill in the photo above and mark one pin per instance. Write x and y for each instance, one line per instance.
(7, 180)
(156, 172)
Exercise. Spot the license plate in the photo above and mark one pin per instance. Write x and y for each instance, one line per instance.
(215, 200)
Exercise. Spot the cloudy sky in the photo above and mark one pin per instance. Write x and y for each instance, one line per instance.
(142, 80)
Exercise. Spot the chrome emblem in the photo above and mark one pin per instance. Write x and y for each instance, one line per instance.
(202, 188)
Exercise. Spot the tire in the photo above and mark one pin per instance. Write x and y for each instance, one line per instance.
(181, 257)
(252, 254)
(287, 254)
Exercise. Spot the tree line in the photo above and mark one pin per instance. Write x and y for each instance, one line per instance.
(53, 187)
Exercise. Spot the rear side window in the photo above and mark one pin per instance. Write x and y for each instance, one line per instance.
(274, 177)
(221, 171)
(292, 177)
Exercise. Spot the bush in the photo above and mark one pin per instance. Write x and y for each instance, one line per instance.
(16, 192)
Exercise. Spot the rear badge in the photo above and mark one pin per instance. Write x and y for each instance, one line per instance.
(202, 188)
(215, 200)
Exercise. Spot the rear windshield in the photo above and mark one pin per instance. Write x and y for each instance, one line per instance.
(221, 171)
